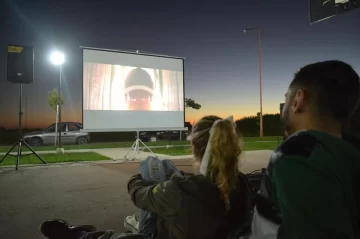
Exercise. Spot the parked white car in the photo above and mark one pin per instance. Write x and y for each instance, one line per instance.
(70, 134)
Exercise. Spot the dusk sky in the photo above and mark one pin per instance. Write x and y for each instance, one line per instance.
(221, 66)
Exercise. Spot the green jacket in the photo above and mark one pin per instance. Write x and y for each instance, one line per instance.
(312, 187)
(190, 207)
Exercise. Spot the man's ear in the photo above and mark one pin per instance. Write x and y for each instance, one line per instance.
(298, 101)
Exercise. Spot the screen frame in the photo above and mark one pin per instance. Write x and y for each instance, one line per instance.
(133, 53)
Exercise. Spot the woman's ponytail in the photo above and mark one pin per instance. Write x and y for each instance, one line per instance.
(224, 158)
(216, 147)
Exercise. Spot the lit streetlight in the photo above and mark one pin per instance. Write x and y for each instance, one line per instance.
(260, 74)
(58, 58)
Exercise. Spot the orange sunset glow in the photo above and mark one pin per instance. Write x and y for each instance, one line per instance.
(46, 117)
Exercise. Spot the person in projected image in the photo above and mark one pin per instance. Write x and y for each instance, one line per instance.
(139, 87)
(214, 203)
(311, 188)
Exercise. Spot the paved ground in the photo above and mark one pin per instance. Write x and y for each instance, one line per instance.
(81, 193)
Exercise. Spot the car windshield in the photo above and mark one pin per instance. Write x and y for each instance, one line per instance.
(49, 128)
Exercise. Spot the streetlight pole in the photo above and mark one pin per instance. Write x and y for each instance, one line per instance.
(59, 103)
(58, 58)
(260, 74)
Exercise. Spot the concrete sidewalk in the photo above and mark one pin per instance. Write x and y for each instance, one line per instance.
(249, 161)
(120, 153)
(116, 154)
(112, 153)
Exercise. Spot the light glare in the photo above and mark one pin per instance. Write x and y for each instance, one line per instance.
(57, 58)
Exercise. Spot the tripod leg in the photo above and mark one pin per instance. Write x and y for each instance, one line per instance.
(132, 148)
(136, 150)
(146, 147)
(8, 152)
(38, 156)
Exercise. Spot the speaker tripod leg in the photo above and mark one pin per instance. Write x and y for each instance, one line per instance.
(8, 152)
(37, 155)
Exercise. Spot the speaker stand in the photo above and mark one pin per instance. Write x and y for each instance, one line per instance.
(19, 154)
(21, 141)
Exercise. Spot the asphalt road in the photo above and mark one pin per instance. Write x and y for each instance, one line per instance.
(82, 194)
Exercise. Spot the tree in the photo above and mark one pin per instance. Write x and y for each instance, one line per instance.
(258, 118)
(190, 103)
(249, 126)
(53, 98)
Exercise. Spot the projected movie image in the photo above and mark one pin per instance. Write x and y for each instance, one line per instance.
(128, 88)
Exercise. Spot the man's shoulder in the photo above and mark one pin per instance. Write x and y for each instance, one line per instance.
(301, 144)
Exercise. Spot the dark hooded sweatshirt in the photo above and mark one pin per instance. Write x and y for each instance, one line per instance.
(190, 207)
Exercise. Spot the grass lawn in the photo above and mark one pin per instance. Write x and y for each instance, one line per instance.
(248, 146)
(128, 144)
(55, 158)
(100, 145)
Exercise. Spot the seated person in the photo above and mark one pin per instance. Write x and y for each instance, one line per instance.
(210, 204)
(206, 205)
(311, 188)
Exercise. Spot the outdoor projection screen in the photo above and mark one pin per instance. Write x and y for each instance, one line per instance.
(125, 91)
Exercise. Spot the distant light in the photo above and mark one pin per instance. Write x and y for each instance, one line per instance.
(57, 58)
(245, 31)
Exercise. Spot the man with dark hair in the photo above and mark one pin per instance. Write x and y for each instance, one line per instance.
(311, 188)
(328, 90)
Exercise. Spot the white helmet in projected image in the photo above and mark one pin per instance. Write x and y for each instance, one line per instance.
(139, 90)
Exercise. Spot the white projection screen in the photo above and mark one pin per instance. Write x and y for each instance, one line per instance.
(124, 91)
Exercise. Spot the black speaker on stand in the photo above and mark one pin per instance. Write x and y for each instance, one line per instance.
(20, 70)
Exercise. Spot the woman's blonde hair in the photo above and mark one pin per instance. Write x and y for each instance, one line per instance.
(224, 155)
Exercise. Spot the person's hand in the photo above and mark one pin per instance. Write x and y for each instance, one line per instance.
(170, 174)
(137, 175)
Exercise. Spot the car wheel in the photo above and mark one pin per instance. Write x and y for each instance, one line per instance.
(153, 138)
(36, 142)
(81, 140)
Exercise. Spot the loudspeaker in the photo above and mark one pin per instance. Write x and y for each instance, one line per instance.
(20, 64)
